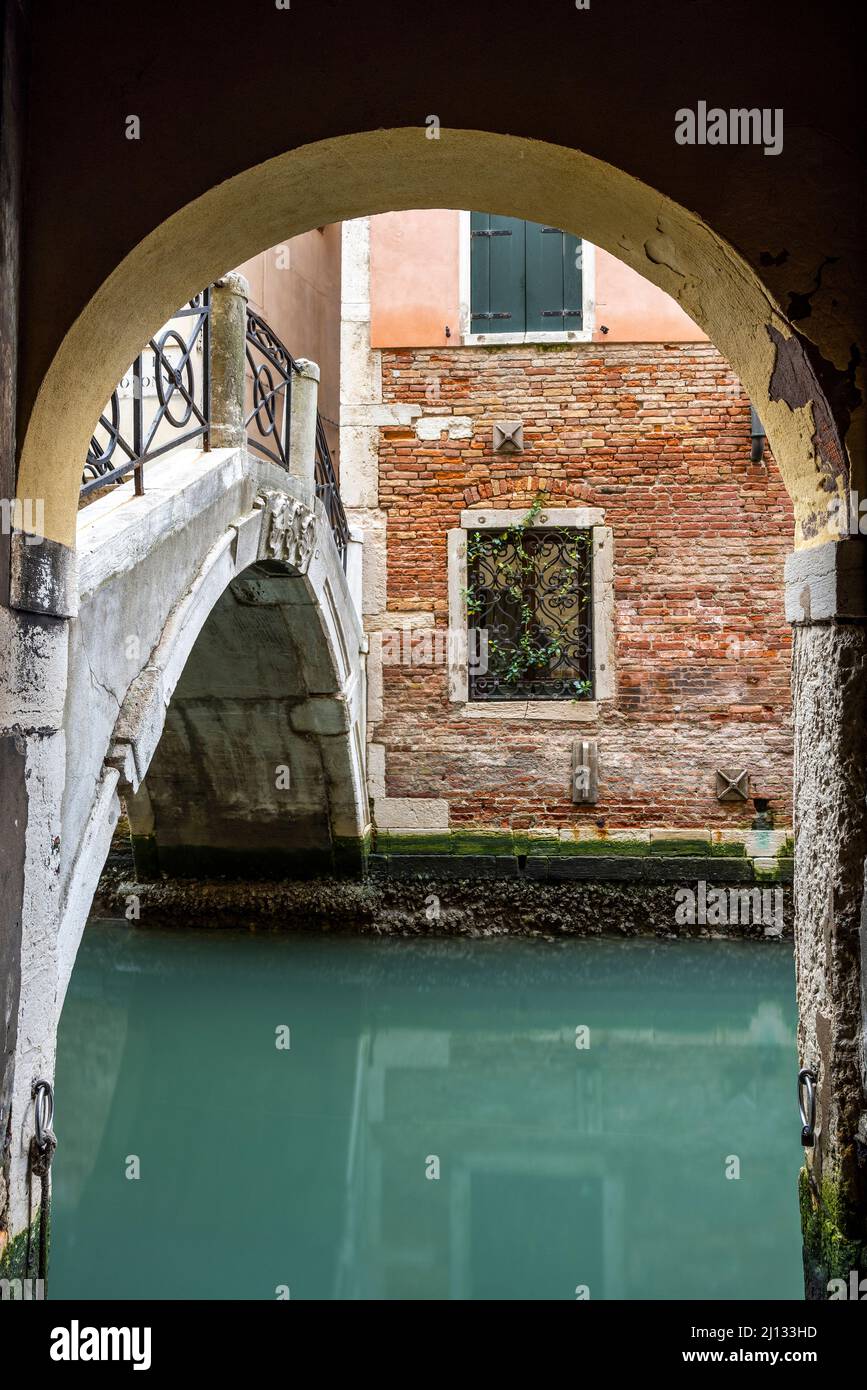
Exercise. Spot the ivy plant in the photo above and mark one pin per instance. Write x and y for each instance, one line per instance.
(531, 650)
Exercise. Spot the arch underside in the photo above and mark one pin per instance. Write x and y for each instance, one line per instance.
(378, 171)
(252, 755)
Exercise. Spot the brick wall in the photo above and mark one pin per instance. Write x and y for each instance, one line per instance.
(658, 436)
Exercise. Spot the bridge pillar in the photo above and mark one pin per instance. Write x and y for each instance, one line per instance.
(825, 601)
(303, 407)
(32, 776)
(228, 361)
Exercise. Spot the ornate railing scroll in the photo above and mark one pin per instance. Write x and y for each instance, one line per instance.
(272, 368)
(161, 403)
(329, 493)
(165, 401)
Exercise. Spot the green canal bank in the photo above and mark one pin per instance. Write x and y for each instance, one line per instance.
(477, 882)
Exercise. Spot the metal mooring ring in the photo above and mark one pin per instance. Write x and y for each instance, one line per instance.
(807, 1090)
(43, 1095)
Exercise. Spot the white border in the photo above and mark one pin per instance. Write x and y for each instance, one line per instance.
(588, 291)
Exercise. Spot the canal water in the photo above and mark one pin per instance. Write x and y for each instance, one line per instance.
(323, 1117)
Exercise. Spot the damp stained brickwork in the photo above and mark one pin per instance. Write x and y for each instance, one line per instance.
(657, 436)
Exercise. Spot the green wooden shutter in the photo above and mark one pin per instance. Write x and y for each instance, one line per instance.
(553, 275)
(498, 281)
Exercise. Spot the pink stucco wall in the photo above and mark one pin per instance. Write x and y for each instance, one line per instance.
(635, 311)
(414, 279)
(415, 289)
(296, 288)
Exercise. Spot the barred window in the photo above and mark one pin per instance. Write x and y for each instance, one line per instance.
(529, 598)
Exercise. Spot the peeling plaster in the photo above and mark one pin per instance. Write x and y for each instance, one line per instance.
(661, 250)
(793, 381)
(800, 304)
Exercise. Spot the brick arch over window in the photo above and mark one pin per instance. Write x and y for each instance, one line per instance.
(509, 492)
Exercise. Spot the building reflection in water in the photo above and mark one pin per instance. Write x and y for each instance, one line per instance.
(602, 1167)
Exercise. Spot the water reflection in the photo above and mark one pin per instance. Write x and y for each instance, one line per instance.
(559, 1167)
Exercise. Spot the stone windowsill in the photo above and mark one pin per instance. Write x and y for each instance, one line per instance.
(575, 335)
(573, 711)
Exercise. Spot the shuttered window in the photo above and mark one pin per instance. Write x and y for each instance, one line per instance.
(525, 277)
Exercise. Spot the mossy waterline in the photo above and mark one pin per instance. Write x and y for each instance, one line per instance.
(835, 1242)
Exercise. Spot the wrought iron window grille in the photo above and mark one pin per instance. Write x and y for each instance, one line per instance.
(531, 589)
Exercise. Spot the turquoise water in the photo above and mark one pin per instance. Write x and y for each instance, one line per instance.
(305, 1168)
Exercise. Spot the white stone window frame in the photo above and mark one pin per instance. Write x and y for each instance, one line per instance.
(584, 334)
(497, 519)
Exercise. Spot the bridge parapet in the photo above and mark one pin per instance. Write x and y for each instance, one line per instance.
(217, 642)
(219, 375)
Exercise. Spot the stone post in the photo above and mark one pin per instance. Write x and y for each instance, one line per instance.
(825, 601)
(32, 775)
(228, 361)
(303, 406)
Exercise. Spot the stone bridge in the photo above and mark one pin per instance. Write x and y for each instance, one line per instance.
(215, 683)
(209, 673)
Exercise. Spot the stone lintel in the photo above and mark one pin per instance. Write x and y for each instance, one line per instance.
(487, 518)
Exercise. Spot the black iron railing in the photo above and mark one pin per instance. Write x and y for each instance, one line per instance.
(162, 402)
(165, 401)
(272, 368)
(329, 493)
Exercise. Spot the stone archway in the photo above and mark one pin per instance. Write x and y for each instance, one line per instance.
(375, 171)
